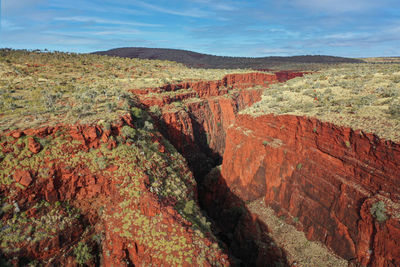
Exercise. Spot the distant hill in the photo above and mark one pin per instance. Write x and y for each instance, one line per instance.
(198, 60)
(379, 60)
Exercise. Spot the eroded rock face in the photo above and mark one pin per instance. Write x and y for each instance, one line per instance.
(207, 89)
(305, 169)
(341, 185)
(198, 130)
(121, 190)
(326, 176)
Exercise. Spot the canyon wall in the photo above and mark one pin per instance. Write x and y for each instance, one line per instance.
(329, 178)
(198, 129)
(340, 186)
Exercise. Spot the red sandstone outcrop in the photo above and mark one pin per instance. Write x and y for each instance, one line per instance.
(34, 146)
(206, 89)
(23, 177)
(326, 176)
(93, 189)
(198, 130)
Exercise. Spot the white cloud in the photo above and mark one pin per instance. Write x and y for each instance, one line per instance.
(224, 7)
(7, 25)
(116, 33)
(48, 38)
(218, 5)
(345, 35)
(104, 21)
(104, 32)
(195, 13)
(338, 6)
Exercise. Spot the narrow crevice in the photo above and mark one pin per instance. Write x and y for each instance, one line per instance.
(243, 237)
(128, 261)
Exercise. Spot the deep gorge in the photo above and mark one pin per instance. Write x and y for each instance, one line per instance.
(126, 189)
(327, 177)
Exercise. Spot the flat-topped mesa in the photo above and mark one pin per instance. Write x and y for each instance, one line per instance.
(342, 186)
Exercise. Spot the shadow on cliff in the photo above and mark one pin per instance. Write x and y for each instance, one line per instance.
(244, 237)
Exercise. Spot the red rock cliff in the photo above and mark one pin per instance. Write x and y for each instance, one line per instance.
(198, 130)
(328, 177)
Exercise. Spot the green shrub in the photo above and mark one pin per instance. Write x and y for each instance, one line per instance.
(156, 110)
(128, 132)
(394, 110)
(101, 163)
(82, 253)
(6, 208)
(137, 112)
(378, 211)
(347, 143)
(148, 126)
(189, 206)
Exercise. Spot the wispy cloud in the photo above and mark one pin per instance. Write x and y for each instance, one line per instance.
(117, 32)
(217, 5)
(224, 7)
(339, 6)
(360, 40)
(193, 12)
(7, 25)
(105, 8)
(103, 32)
(222, 27)
(105, 21)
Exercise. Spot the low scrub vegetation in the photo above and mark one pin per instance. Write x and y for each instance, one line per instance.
(360, 96)
(39, 89)
(378, 210)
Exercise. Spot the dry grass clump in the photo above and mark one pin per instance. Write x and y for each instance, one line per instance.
(362, 96)
(39, 89)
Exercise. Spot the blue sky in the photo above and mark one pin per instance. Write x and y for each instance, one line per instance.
(353, 28)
